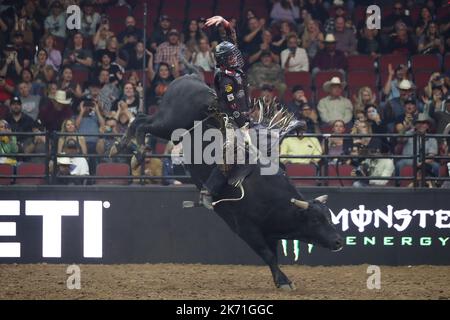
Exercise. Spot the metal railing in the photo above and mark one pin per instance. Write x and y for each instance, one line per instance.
(51, 156)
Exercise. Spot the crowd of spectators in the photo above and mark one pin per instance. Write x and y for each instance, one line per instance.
(89, 81)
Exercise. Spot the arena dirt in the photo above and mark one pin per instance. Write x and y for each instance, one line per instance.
(174, 281)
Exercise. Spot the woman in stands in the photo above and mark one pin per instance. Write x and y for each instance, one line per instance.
(68, 126)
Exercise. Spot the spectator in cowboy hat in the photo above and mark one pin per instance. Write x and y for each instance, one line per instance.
(334, 106)
(394, 108)
(55, 111)
(395, 76)
(330, 58)
(422, 125)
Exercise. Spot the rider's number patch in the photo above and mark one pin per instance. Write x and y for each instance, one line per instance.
(230, 97)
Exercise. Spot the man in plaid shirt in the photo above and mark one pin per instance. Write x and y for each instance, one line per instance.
(171, 51)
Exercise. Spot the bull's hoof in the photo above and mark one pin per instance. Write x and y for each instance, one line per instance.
(287, 287)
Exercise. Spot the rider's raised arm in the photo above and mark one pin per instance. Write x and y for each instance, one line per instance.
(218, 20)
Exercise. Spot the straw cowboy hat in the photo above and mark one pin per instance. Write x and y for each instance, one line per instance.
(64, 161)
(405, 85)
(329, 38)
(60, 97)
(334, 81)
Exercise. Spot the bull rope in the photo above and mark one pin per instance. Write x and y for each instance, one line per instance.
(236, 199)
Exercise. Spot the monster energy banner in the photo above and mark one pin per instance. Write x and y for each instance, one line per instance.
(148, 225)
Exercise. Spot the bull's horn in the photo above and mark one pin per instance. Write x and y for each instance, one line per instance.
(323, 198)
(301, 204)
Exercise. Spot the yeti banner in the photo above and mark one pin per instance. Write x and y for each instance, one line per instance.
(148, 225)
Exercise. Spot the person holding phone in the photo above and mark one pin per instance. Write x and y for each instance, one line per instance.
(294, 58)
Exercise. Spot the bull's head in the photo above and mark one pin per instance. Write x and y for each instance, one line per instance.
(316, 226)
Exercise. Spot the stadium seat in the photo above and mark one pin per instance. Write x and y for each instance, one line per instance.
(112, 169)
(361, 79)
(443, 171)
(200, 8)
(302, 170)
(175, 10)
(447, 62)
(359, 14)
(298, 78)
(421, 78)
(30, 169)
(393, 59)
(361, 62)
(406, 171)
(117, 13)
(343, 170)
(228, 8)
(160, 147)
(6, 170)
(425, 62)
(80, 76)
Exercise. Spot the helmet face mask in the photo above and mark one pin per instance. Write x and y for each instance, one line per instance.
(228, 56)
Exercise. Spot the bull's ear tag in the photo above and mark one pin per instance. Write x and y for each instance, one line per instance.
(323, 198)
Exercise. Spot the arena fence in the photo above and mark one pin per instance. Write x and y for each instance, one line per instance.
(320, 178)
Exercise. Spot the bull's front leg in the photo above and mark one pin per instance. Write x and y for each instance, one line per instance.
(267, 250)
(280, 279)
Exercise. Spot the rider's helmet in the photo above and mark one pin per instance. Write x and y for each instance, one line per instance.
(228, 55)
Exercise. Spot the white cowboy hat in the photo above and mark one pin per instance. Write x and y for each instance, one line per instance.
(405, 85)
(335, 80)
(329, 38)
(64, 161)
(60, 97)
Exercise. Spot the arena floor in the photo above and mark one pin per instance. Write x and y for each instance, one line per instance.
(174, 281)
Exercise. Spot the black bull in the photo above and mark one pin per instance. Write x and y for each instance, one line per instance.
(272, 208)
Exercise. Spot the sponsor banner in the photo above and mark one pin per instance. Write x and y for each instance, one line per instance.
(140, 225)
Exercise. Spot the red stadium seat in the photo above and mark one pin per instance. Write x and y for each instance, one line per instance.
(80, 76)
(393, 59)
(421, 78)
(447, 62)
(160, 147)
(200, 8)
(228, 8)
(297, 78)
(359, 14)
(425, 62)
(6, 170)
(361, 62)
(343, 170)
(30, 169)
(443, 171)
(117, 13)
(406, 171)
(302, 170)
(112, 169)
(361, 79)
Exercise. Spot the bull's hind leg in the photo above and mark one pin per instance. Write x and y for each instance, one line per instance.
(267, 250)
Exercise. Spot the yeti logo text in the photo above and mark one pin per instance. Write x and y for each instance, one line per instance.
(52, 213)
(73, 17)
